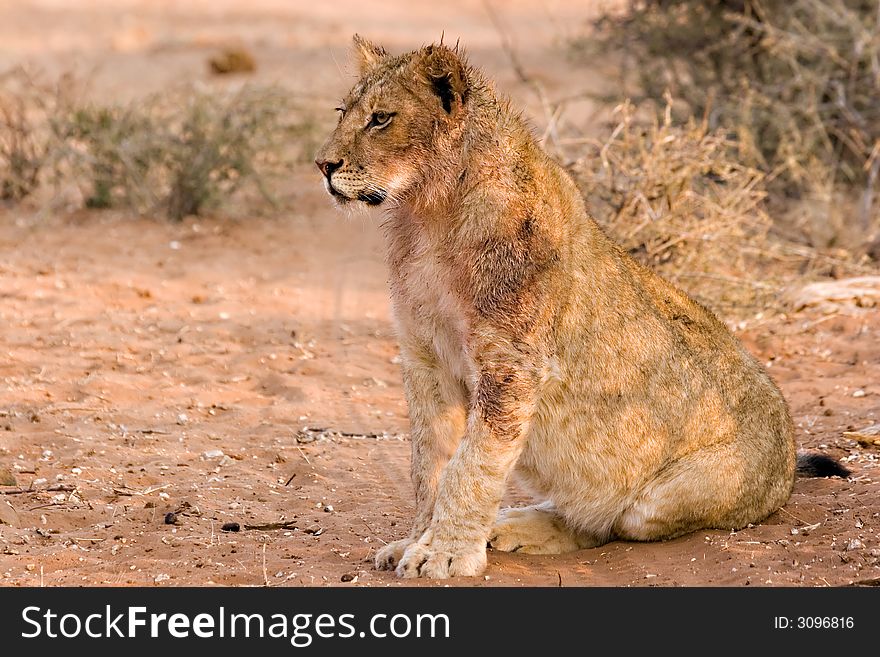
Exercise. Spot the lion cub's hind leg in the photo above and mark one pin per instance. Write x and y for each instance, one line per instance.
(709, 488)
(536, 529)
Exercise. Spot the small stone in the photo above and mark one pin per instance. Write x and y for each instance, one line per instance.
(39, 482)
(171, 518)
(859, 393)
(182, 418)
(8, 515)
(230, 527)
(328, 508)
(7, 478)
(161, 577)
(213, 454)
(349, 577)
(854, 544)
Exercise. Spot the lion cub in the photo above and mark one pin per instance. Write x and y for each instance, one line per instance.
(533, 343)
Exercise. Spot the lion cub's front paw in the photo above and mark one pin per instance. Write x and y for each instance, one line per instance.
(389, 556)
(437, 560)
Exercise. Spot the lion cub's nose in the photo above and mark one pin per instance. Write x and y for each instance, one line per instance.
(328, 167)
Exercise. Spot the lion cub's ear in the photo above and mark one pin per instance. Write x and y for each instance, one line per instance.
(447, 74)
(367, 54)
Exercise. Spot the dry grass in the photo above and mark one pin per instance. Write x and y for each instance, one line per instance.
(181, 152)
(796, 83)
(216, 145)
(677, 198)
(184, 152)
(113, 149)
(28, 108)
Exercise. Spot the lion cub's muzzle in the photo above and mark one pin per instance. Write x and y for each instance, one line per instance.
(372, 196)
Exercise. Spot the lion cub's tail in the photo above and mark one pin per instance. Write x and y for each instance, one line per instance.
(819, 465)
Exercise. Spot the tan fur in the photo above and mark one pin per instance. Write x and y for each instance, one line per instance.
(531, 342)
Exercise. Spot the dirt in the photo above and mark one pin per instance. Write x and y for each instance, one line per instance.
(245, 370)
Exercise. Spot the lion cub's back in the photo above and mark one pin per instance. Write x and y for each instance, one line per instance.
(649, 375)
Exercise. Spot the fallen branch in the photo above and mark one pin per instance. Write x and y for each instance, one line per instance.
(132, 493)
(289, 524)
(64, 488)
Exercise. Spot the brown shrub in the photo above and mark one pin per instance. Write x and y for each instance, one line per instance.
(797, 82)
(28, 109)
(185, 151)
(677, 198)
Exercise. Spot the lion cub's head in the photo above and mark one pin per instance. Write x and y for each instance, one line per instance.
(393, 122)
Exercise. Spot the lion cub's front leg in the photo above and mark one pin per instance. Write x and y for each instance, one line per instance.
(473, 482)
(437, 422)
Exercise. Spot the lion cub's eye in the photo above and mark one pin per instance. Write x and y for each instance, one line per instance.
(380, 119)
(341, 111)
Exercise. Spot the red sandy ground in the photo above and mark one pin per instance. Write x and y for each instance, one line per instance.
(149, 368)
